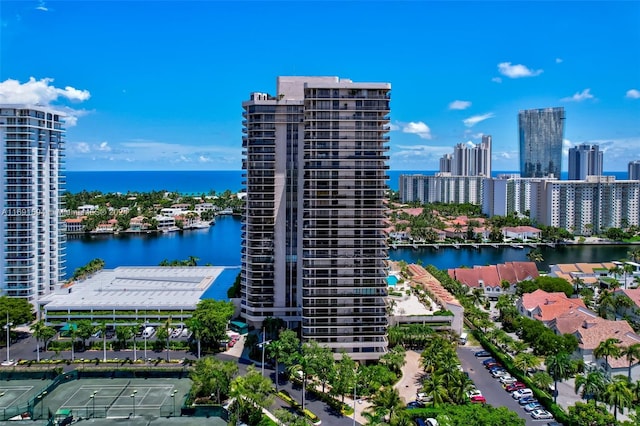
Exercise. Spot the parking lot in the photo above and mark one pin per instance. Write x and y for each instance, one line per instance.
(490, 387)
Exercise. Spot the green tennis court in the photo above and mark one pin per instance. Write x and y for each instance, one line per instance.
(119, 398)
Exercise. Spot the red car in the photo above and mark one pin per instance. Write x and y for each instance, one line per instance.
(478, 399)
(515, 386)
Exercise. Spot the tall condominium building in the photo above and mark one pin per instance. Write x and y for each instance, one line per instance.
(634, 170)
(541, 133)
(313, 243)
(585, 160)
(592, 205)
(468, 159)
(33, 241)
(512, 194)
(442, 188)
(582, 207)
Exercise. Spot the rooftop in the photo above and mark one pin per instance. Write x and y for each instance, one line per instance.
(156, 287)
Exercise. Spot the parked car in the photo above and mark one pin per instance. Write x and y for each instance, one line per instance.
(507, 380)
(493, 364)
(527, 400)
(532, 406)
(522, 393)
(500, 373)
(515, 386)
(541, 414)
(475, 392)
(488, 360)
(431, 422)
(415, 404)
(482, 354)
(478, 399)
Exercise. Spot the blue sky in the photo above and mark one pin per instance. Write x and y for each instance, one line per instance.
(159, 85)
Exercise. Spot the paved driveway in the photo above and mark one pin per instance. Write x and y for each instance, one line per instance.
(490, 387)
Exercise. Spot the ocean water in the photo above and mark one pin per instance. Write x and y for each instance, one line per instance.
(197, 182)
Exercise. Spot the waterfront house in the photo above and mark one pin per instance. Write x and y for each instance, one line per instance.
(632, 312)
(165, 222)
(522, 233)
(74, 225)
(86, 209)
(493, 279)
(138, 224)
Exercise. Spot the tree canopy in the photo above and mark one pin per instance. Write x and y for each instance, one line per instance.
(211, 318)
(20, 310)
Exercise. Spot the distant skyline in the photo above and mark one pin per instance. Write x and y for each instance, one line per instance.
(158, 85)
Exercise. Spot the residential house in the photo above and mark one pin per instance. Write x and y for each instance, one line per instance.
(492, 279)
(74, 225)
(546, 307)
(522, 233)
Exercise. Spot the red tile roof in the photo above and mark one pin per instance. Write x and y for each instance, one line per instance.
(493, 275)
(549, 306)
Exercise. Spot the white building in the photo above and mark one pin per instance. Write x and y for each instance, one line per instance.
(33, 238)
(509, 194)
(313, 247)
(592, 205)
(442, 188)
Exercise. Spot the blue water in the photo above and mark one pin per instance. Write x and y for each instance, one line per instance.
(198, 182)
(392, 280)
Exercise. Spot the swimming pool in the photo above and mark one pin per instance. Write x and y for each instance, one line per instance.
(392, 280)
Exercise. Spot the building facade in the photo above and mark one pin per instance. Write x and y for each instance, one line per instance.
(442, 188)
(634, 170)
(585, 160)
(591, 206)
(468, 159)
(541, 132)
(512, 194)
(33, 238)
(313, 243)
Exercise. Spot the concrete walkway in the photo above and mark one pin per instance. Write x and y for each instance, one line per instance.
(409, 384)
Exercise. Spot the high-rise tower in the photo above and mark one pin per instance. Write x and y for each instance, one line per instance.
(33, 241)
(585, 160)
(541, 134)
(313, 243)
(634, 170)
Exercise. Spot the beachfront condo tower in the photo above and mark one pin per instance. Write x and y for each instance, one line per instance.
(313, 242)
(541, 134)
(33, 241)
(585, 160)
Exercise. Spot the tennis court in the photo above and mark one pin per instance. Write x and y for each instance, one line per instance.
(16, 394)
(119, 397)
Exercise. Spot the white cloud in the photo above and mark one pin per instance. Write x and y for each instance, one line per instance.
(38, 92)
(473, 120)
(633, 94)
(41, 6)
(104, 147)
(579, 96)
(566, 145)
(418, 128)
(204, 159)
(496, 80)
(516, 71)
(42, 92)
(559, 60)
(459, 105)
(412, 152)
(82, 147)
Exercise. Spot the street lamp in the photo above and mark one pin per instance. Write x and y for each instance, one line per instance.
(7, 326)
(173, 397)
(133, 402)
(93, 399)
(262, 345)
(41, 398)
(144, 334)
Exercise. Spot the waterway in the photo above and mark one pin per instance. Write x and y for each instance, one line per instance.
(219, 245)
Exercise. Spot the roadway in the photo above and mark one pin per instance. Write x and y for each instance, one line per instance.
(490, 387)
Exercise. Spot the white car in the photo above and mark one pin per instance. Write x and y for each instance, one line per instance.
(474, 392)
(507, 380)
(500, 373)
(541, 414)
(522, 393)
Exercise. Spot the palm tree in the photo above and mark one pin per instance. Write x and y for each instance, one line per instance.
(632, 353)
(605, 303)
(607, 348)
(535, 256)
(526, 360)
(477, 296)
(434, 387)
(301, 369)
(627, 269)
(542, 379)
(167, 326)
(618, 394)
(37, 329)
(386, 402)
(592, 385)
(102, 328)
(559, 368)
